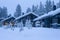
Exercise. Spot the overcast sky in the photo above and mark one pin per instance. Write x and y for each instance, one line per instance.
(11, 4)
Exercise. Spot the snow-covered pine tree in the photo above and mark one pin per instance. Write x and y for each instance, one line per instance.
(0, 12)
(58, 4)
(53, 3)
(28, 24)
(28, 10)
(18, 11)
(35, 9)
(4, 12)
(21, 26)
(41, 9)
(48, 6)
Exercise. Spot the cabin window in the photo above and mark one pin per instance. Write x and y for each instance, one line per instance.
(5, 23)
(55, 20)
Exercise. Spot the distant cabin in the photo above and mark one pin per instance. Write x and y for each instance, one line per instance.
(52, 19)
(8, 21)
(26, 19)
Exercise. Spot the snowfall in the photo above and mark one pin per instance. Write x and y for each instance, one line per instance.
(38, 33)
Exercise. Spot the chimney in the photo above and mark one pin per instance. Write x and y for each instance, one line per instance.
(22, 13)
(54, 7)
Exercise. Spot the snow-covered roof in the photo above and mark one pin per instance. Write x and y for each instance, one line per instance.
(8, 18)
(26, 15)
(52, 13)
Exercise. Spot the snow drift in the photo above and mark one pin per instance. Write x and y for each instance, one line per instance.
(30, 34)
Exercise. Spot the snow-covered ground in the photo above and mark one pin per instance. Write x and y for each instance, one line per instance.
(30, 34)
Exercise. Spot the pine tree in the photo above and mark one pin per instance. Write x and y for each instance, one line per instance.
(18, 11)
(21, 26)
(48, 6)
(28, 10)
(35, 9)
(41, 9)
(53, 3)
(4, 12)
(0, 12)
(28, 24)
(58, 4)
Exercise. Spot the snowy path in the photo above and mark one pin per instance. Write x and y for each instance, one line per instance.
(30, 34)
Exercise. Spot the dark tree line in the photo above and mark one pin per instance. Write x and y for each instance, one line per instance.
(3, 12)
(42, 9)
(38, 9)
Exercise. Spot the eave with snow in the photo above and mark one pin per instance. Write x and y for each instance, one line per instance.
(27, 14)
(50, 19)
(49, 14)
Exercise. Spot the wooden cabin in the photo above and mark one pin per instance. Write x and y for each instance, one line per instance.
(8, 21)
(26, 19)
(41, 21)
(52, 19)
